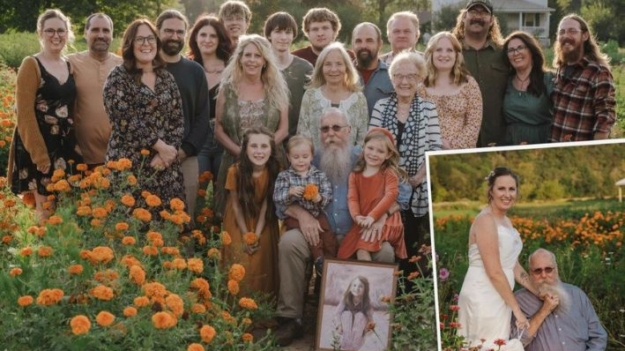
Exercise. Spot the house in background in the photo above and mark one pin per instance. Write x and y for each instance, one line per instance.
(531, 16)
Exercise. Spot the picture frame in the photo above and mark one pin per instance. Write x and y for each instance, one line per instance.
(380, 280)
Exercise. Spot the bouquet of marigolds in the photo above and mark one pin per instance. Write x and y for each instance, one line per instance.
(108, 271)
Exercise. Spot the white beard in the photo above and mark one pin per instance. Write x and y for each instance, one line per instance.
(557, 289)
(336, 163)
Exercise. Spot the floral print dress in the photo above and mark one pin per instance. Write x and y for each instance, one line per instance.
(140, 117)
(53, 104)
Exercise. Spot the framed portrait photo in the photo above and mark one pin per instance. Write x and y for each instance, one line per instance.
(354, 306)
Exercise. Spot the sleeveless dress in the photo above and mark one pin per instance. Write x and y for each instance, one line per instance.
(483, 313)
(53, 110)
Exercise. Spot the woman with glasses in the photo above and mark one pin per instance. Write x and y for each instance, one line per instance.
(334, 83)
(145, 109)
(456, 94)
(527, 105)
(413, 122)
(44, 140)
(486, 300)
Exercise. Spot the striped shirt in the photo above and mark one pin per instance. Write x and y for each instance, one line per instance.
(584, 101)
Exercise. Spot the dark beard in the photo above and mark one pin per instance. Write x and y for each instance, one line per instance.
(364, 61)
(172, 50)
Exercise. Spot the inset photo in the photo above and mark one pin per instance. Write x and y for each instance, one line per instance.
(529, 250)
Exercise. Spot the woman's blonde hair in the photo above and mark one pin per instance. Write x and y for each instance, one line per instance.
(459, 73)
(351, 81)
(55, 13)
(276, 90)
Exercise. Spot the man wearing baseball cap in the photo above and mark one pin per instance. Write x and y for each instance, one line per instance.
(478, 30)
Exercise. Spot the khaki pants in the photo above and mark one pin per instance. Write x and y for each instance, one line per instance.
(191, 173)
(294, 254)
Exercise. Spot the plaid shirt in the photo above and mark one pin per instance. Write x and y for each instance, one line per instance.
(584, 101)
(289, 178)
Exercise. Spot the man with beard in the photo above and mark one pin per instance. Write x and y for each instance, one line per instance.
(402, 30)
(90, 69)
(366, 43)
(477, 29)
(236, 17)
(562, 317)
(191, 81)
(336, 159)
(584, 102)
(321, 26)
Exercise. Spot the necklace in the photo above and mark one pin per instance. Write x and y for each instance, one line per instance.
(522, 80)
(213, 71)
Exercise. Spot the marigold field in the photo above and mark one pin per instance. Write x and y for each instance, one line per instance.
(588, 247)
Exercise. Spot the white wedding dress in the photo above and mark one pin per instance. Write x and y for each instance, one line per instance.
(483, 313)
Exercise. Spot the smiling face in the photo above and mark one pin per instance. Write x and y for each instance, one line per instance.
(406, 79)
(444, 56)
(281, 39)
(99, 35)
(258, 149)
(252, 60)
(236, 26)
(330, 137)
(144, 46)
(477, 21)
(402, 34)
(357, 288)
(300, 157)
(366, 45)
(334, 69)
(172, 34)
(320, 34)
(540, 264)
(571, 39)
(53, 35)
(207, 40)
(376, 153)
(503, 193)
(519, 54)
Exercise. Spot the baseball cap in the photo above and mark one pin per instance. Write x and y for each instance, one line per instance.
(485, 3)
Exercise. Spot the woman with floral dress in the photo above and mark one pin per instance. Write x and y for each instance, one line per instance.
(145, 109)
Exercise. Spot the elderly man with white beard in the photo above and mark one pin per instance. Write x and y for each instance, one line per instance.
(336, 159)
(562, 318)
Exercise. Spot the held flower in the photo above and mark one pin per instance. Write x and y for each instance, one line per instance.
(250, 238)
(310, 191)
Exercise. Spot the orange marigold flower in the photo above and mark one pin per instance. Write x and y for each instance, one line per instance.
(27, 251)
(225, 238)
(150, 250)
(83, 211)
(412, 275)
(250, 238)
(25, 300)
(57, 175)
(202, 286)
(145, 194)
(248, 303)
(96, 222)
(175, 304)
(99, 212)
(163, 320)
(237, 272)
(176, 219)
(198, 308)
(45, 251)
(165, 214)
(169, 250)
(102, 292)
(233, 287)
(310, 192)
(195, 347)
(54, 220)
(145, 152)
(105, 318)
(124, 164)
(137, 275)
(414, 259)
(176, 204)
(247, 337)
(246, 321)
(7, 239)
(49, 297)
(62, 186)
(15, 271)
(101, 254)
(129, 261)
(154, 290)
(75, 269)
(214, 254)
(128, 240)
(81, 167)
(29, 199)
(131, 179)
(153, 201)
(195, 265)
(179, 263)
(152, 235)
(142, 214)
(80, 325)
(141, 301)
(207, 333)
(128, 200)
(130, 311)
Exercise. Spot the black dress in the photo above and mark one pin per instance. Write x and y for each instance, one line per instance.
(53, 111)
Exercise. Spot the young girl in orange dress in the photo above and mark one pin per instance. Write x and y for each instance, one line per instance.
(250, 215)
(373, 188)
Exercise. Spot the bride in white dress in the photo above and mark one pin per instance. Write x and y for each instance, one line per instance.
(486, 300)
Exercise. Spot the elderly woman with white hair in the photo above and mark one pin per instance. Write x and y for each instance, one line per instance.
(334, 83)
(414, 124)
(253, 93)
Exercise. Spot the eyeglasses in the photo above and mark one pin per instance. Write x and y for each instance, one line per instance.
(50, 32)
(171, 32)
(475, 12)
(409, 77)
(539, 271)
(569, 31)
(335, 128)
(519, 49)
(141, 40)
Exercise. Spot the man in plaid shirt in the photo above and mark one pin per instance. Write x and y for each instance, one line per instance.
(584, 95)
